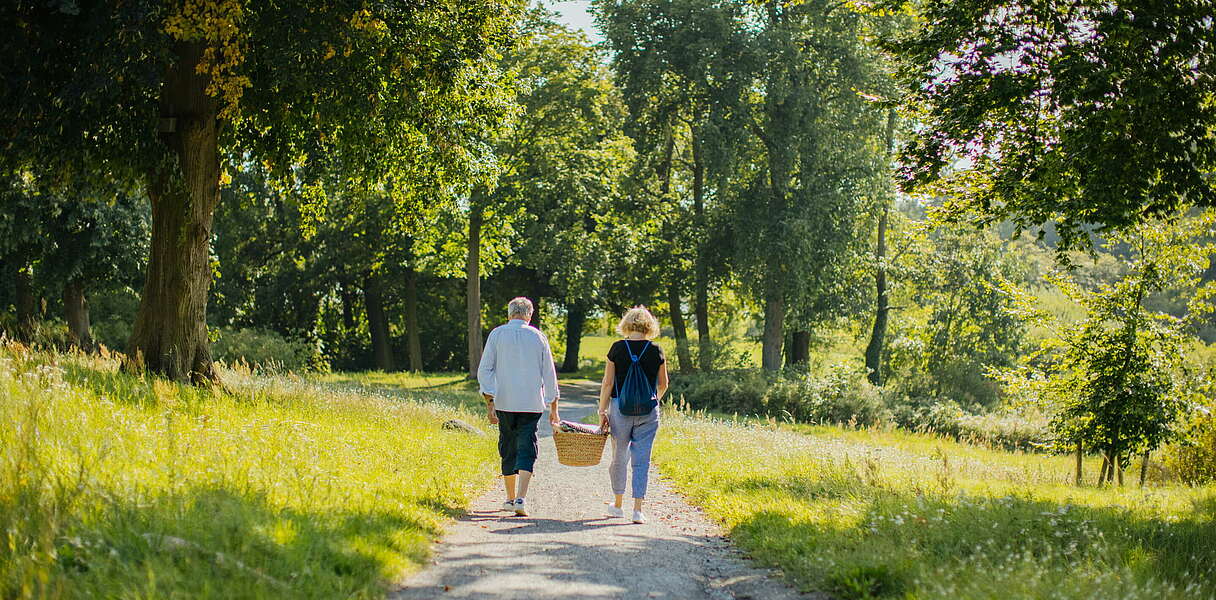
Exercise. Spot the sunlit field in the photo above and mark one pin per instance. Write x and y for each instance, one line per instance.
(874, 514)
(594, 348)
(118, 486)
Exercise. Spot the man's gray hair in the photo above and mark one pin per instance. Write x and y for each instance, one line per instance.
(520, 308)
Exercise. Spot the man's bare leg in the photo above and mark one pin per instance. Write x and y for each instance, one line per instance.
(509, 482)
(525, 477)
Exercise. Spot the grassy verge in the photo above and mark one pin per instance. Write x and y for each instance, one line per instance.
(896, 515)
(118, 486)
(453, 389)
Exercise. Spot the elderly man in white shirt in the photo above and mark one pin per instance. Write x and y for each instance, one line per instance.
(518, 379)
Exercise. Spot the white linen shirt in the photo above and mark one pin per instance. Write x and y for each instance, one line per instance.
(517, 368)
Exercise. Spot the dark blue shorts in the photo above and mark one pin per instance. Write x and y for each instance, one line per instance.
(517, 441)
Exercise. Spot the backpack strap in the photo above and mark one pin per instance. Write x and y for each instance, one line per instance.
(639, 355)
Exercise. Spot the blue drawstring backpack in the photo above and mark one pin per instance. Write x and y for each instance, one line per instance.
(636, 397)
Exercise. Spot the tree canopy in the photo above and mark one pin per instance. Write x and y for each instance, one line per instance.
(1068, 113)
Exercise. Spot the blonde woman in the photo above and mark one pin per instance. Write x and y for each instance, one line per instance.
(635, 378)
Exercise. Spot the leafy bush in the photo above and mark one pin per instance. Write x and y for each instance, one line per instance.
(997, 429)
(1194, 459)
(113, 315)
(46, 334)
(842, 395)
(265, 349)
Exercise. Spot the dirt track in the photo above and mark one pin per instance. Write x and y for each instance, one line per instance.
(568, 548)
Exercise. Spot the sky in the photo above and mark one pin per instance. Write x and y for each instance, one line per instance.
(574, 14)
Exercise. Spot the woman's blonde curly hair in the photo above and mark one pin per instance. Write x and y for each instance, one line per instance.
(638, 320)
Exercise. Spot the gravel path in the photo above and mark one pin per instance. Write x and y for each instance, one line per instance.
(569, 548)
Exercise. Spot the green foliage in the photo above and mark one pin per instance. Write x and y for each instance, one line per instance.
(678, 67)
(388, 99)
(46, 334)
(96, 237)
(1023, 430)
(819, 153)
(112, 314)
(959, 319)
(383, 83)
(265, 349)
(841, 395)
(1058, 113)
(886, 514)
(1117, 381)
(563, 163)
(112, 483)
(1193, 458)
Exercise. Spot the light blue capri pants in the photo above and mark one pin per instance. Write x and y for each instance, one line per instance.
(632, 439)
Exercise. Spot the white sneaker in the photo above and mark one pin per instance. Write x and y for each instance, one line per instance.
(509, 505)
(615, 511)
(638, 517)
(520, 509)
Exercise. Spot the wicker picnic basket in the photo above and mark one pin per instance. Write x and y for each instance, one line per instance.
(579, 449)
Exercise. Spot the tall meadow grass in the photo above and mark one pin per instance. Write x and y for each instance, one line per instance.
(113, 485)
(889, 514)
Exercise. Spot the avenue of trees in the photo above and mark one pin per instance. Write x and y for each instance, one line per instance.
(364, 185)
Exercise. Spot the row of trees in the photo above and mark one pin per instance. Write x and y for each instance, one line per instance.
(390, 156)
(588, 194)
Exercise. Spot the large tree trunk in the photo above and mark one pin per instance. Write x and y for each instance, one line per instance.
(169, 336)
(774, 331)
(27, 304)
(882, 307)
(413, 336)
(780, 169)
(473, 295)
(76, 313)
(576, 317)
(679, 328)
(800, 348)
(700, 303)
(377, 323)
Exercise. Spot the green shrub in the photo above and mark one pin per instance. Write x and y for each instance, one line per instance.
(113, 315)
(997, 429)
(842, 395)
(728, 392)
(264, 349)
(1004, 430)
(1194, 459)
(112, 333)
(46, 334)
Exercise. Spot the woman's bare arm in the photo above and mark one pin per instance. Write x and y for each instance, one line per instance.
(606, 385)
(606, 388)
(663, 381)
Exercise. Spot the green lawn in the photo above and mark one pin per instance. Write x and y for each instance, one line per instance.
(117, 486)
(868, 514)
